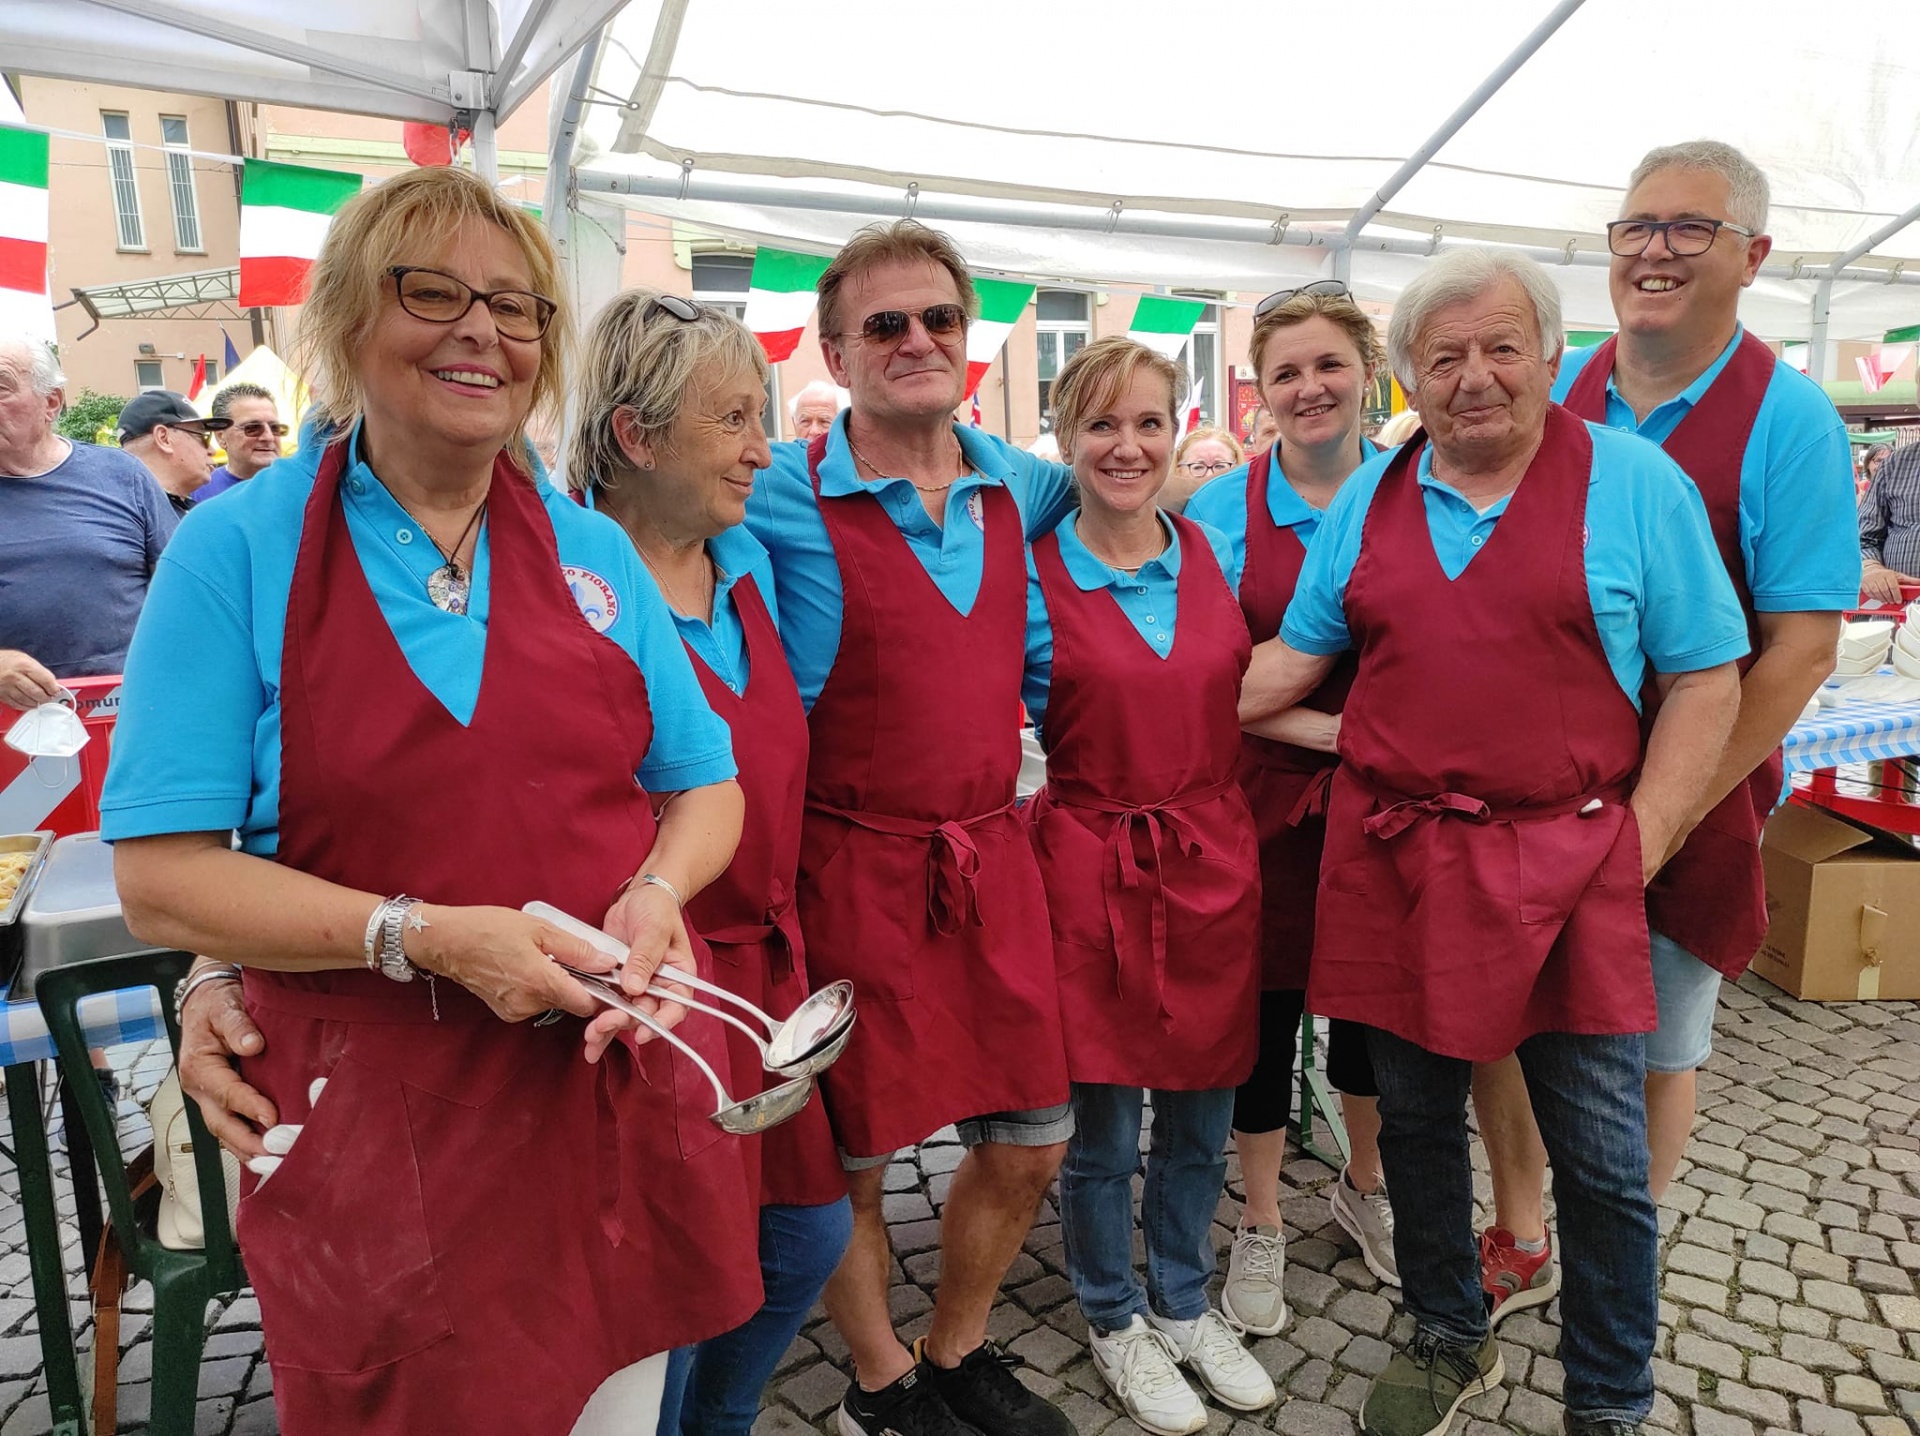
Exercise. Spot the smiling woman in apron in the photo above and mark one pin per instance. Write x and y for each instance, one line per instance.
(375, 664)
(1316, 352)
(1148, 851)
(668, 441)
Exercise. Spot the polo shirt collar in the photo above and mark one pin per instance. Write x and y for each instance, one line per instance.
(1090, 573)
(1691, 395)
(1283, 499)
(839, 476)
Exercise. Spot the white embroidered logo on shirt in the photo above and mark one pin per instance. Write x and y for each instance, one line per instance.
(599, 605)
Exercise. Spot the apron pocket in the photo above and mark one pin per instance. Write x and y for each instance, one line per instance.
(336, 1241)
(1560, 858)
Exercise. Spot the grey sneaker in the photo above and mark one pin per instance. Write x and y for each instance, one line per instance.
(1252, 1299)
(1425, 1384)
(1368, 1218)
(1598, 1426)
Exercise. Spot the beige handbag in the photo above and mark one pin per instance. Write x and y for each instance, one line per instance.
(180, 1224)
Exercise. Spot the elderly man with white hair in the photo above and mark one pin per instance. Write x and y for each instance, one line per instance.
(813, 410)
(81, 528)
(1507, 581)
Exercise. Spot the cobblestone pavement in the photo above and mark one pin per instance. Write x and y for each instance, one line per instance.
(1791, 1240)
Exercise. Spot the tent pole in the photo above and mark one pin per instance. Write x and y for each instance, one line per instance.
(557, 203)
(1490, 86)
(486, 155)
(1817, 368)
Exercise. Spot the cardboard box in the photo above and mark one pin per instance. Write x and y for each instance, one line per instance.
(1844, 909)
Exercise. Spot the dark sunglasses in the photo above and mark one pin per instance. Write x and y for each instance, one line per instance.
(441, 299)
(260, 428)
(685, 310)
(891, 326)
(1320, 288)
(205, 436)
(1686, 238)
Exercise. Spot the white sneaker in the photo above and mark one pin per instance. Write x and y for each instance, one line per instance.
(1368, 1218)
(1139, 1365)
(1217, 1356)
(1252, 1298)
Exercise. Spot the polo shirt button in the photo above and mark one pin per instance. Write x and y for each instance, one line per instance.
(1152, 619)
(1161, 637)
(1477, 540)
(359, 486)
(406, 536)
(1142, 590)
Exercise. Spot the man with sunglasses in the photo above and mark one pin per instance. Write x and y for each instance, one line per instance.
(1769, 455)
(252, 439)
(167, 434)
(898, 539)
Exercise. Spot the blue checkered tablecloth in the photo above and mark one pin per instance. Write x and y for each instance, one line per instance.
(1858, 731)
(109, 1018)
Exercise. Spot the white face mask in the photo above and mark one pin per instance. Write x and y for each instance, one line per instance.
(53, 730)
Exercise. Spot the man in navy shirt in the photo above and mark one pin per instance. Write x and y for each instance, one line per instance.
(81, 528)
(252, 436)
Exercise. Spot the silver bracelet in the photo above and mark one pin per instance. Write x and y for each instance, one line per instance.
(655, 880)
(186, 986)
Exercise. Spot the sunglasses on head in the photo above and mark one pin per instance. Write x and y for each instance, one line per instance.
(891, 326)
(1321, 288)
(685, 310)
(260, 428)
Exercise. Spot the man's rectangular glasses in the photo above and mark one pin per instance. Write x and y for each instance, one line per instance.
(260, 428)
(1629, 238)
(891, 326)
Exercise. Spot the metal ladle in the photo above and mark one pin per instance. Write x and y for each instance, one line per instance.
(807, 1042)
(743, 1118)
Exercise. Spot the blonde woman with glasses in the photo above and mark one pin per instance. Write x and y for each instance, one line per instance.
(1202, 457)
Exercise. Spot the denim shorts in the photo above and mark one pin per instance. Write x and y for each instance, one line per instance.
(1033, 1127)
(1687, 991)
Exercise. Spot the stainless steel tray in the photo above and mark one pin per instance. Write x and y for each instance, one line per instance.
(12, 935)
(74, 912)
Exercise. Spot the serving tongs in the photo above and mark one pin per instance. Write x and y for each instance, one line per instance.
(805, 1044)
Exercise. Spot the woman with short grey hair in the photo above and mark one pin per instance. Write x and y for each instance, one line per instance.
(668, 444)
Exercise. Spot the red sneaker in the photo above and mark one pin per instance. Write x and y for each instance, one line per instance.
(1514, 1280)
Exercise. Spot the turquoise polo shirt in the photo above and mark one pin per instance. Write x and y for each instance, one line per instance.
(197, 746)
(1222, 504)
(1149, 599)
(1661, 597)
(1798, 531)
(784, 515)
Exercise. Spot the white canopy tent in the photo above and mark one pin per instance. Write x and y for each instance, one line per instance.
(1220, 145)
(1098, 139)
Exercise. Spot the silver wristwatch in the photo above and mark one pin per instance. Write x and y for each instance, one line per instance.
(385, 928)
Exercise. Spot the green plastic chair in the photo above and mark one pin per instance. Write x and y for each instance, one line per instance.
(183, 1282)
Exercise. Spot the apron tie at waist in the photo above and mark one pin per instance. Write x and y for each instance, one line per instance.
(953, 862)
(775, 924)
(1122, 873)
(1394, 818)
(1313, 799)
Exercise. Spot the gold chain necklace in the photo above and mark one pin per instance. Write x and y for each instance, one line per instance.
(673, 599)
(878, 473)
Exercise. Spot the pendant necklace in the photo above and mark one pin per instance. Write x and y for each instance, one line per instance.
(450, 586)
(874, 468)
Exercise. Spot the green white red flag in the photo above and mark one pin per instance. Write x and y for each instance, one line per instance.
(285, 211)
(1164, 325)
(780, 297)
(1002, 302)
(25, 302)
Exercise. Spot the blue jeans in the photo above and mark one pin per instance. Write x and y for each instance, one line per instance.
(1589, 1098)
(713, 1389)
(1186, 1172)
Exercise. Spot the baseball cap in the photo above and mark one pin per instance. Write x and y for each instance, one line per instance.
(146, 412)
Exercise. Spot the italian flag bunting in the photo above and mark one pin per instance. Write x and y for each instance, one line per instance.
(1164, 324)
(780, 296)
(1001, 304)
(25, 303)
(285, 211)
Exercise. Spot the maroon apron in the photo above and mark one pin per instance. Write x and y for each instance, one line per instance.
(916, 878)
(1711, 898)
(1285, 784)
(1145, 841)
(747, 913)
(1466, 901)
(476, 1227)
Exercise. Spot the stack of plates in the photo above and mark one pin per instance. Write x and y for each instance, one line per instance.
(1906, 644)
(1864, 647)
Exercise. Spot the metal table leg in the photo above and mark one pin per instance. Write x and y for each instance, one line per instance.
(1317, 1100)
(43, 1246)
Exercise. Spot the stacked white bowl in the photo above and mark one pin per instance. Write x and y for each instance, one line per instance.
(1906, 644)
(1864, 647)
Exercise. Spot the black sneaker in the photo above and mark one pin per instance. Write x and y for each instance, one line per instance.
(911, 1406)
(985, 1394)
(1602, 1426)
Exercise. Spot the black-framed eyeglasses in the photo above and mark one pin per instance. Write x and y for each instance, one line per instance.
(685, 310)
(439, 298)
(1629, 238)
(891, 326)
(260, 428)
(1320, 288)
(1204, 469)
